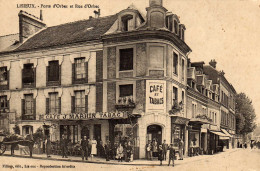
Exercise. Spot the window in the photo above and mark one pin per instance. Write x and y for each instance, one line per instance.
(3, 75)
(182, 34)
(126, 59)
(126, 90)
(169, 22)
(175, 27)
(53, 71)
(127, 23)
(175, 63)
(79, 101)
(175, 95)
(28, 74)
(182, 67)
(3, 102)
(29, 104)
(80, 68)
(194, 110)
(54, 103)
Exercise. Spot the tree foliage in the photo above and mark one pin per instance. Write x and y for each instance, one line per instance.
(245, 114)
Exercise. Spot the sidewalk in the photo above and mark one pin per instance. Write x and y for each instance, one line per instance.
(139, 162)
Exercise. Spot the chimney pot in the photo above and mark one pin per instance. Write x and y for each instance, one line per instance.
(213, 63)
(41, 17)
(155, 3)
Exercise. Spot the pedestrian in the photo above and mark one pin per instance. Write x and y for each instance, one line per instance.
(107, 150)
(160, 154)
(238, 145)
(93, 148)
(251, 145)
(64, 146)
(128, 151)
(48, 146)
(119, 152)
(165, 148)
(89, 146)
(155, 148)
(181, 149)
(84, 148)
(171, 155)
(149, 150)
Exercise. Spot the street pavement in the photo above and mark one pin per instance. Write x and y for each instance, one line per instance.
(235, 159)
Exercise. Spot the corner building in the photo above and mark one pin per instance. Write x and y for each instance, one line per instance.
(109, 78)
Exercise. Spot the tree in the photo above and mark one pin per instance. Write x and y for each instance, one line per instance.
(245, 114)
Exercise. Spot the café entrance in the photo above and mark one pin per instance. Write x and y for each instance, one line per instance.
(154, 132)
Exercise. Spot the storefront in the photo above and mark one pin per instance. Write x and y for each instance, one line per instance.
(194, 138)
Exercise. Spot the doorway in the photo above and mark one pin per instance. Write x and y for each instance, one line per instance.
(85, 132)
(154, 132)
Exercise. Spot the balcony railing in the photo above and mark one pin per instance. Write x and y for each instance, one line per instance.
(125, 102)
(28, 117)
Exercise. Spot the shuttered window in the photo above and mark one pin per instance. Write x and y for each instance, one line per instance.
(29, 104)
(54, 103)
(126, 59)
(80, 69)
(53, 71)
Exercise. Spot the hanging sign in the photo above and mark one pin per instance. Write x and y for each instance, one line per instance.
(86, 116)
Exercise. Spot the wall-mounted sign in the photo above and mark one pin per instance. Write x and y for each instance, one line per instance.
(155, 95)
(86, 116)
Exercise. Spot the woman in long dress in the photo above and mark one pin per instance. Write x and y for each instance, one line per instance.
(93, 147)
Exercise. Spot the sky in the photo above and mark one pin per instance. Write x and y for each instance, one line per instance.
(227, 31)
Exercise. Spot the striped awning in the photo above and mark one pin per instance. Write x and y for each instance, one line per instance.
(218, 133)
(225, 132)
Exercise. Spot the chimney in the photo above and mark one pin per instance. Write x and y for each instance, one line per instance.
(213, 63)
(97, 13)
(41, 18)
(156, 14)
(155, 3)
(29, 25)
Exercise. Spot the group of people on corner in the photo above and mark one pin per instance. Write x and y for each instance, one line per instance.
(153, 149)
(253, 144)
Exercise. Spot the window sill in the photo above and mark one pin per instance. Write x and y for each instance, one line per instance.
(53, 83)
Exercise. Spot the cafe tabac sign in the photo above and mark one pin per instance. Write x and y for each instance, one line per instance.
(155, 95)
(86, 116)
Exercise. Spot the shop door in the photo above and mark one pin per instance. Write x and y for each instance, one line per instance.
(154, 132)
(85, 132)
(97, 132)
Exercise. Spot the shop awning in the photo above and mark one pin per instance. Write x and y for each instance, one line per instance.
(223, 138)
(218, 133)
(225, 132)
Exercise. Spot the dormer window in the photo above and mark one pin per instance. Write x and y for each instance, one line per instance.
(182, 34)
(175, 27)
(127, 23)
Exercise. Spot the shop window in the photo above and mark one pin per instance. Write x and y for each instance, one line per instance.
(175, 63)
(54, 103)
(79, 101)
(3, 76)
(28, 107)
(156, 54)
(28, 75)
(70, 132)
(3, 103)
(126, 59)
(127, 23)
(53, 71)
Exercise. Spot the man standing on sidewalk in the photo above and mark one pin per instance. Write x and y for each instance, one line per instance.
(181, 149)
(84, 148)
(165, 148)
(171, 155)
(64, 145)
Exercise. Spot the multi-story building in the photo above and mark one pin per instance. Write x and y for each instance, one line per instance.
(110, 78)
(227, 103)
(203, 110)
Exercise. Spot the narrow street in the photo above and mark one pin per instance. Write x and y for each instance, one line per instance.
(238, 160)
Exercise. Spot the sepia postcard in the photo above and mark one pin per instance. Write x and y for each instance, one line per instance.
(130, 85)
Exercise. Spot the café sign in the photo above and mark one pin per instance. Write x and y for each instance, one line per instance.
(155, 95)
(86, 116)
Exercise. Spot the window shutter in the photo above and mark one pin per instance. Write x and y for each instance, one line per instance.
(99, 66)
(23, 106)
(47, 106)
(47, 74)
(59, 104)
(34, 108)
(8, 105)
(34, 72)
(23, 74)
(86, 66)
(73, 73)
(72, 104)
(86, 103)
(8, 79)
(59, 74)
